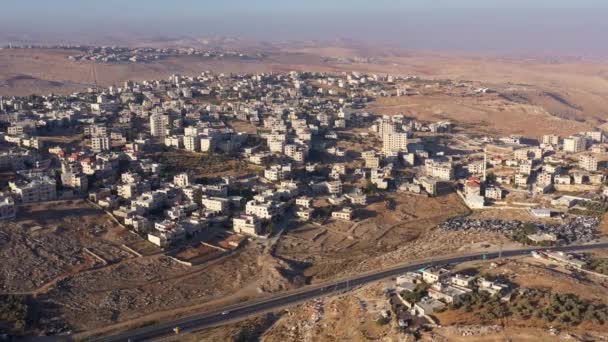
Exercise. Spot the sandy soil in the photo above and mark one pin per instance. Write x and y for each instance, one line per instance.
(408, 233)
(486, 114)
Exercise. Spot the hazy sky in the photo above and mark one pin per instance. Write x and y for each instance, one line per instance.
(569, 26)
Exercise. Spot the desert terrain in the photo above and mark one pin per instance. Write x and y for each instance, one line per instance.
(81, 268)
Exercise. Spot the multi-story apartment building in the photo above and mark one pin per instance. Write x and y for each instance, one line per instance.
(394, 142)
(159, 124)
(575, 144)
(192, 143)
(216, 204)
(277, 172)
(439, 170)
(263, 210)
(588, 162)
(38, 190)
(100, 143)
(595, 136)
(550, 139)
(544, 179)
(181, 180)
(247, 224)
(493, 192)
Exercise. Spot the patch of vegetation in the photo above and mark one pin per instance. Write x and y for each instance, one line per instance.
(14, 312)
(490, 307)
(598, 265)
(590, 208)
(383, 320)
(567, 309)
(322, 213)
(521, 235)
(200, 164)
(370, 188)
(417, 294)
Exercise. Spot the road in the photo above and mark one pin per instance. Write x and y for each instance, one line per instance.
(250, 308)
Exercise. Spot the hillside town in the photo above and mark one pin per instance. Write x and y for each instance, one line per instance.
(178, 160)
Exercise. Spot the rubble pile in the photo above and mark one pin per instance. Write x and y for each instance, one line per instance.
(303, 329)
(579, 228)
(28, 262)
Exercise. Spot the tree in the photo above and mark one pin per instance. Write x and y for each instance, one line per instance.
(270, 228)
(370, 187)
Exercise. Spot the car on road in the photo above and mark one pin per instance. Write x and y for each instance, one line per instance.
(225, 312)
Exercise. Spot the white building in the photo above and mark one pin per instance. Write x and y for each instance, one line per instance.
(159, 124)
(262, 210)
(127, 191)
(334, 188)
(575, 144)
(167, 233)
(588, 162)
(181, 180)
(493, 192)
(595, 136)
(100, 143)
(192, 143)
(38, 190)
(216, 204)
(439, 170)
(247, 224)
(394, 142)
(550, 139)
(433, 275)
(343, 214)
(277, 172)
(304, 202)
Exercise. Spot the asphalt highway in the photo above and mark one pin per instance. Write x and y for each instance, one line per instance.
(251, 308)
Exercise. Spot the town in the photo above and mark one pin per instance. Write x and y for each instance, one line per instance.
(282, 171)
(195, 168)
(285, 130)
(117, 54)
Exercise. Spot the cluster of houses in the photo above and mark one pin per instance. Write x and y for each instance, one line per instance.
(115, 54)
(514, 164)
(444, 288)
(122, 126)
